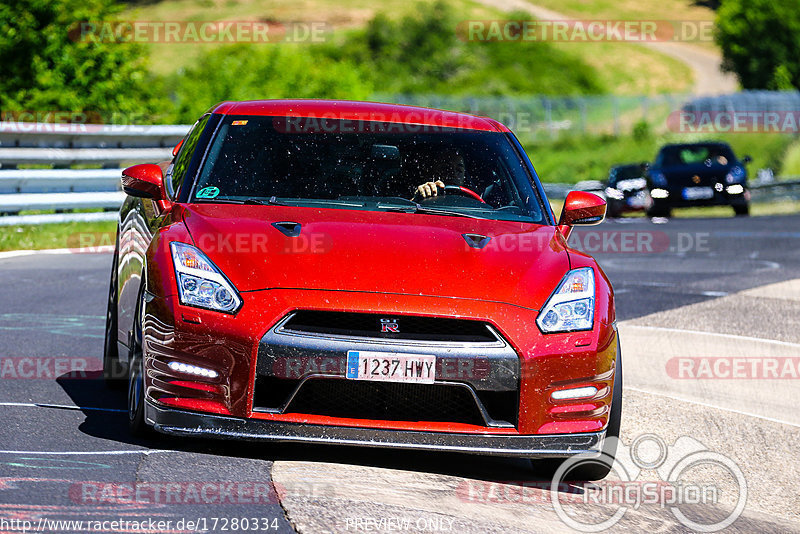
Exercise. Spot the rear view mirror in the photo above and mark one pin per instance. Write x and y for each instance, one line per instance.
(582, 207)
(385, 152)
(144, 181)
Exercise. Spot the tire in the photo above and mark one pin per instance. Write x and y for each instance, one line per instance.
(741, 210)
(598, 468)
(659, 211)
(114, 371)
(136, 421)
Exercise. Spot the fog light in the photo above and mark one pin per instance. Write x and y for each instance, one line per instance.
(659, 193)
(735, 189)
(192, 369)
(574, 393)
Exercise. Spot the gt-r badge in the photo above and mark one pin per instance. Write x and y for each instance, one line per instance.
(390, 325)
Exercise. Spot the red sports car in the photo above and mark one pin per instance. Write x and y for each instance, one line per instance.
(362, 274)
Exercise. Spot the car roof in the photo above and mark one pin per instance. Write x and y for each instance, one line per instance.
(698, 143)
(364, 111)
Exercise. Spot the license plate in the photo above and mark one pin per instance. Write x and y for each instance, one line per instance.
(697, 193)
(391, 367)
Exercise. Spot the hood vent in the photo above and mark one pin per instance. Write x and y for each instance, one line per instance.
(476, 240)
(287, 228)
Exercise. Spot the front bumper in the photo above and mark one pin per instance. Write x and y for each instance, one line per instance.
(184, 423)
(232, 346)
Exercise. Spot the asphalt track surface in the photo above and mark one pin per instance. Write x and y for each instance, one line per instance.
(722, 284)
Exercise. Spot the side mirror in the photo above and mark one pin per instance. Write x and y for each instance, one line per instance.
(144, 181)
(581, 207)
(747, 159)
(177, 148)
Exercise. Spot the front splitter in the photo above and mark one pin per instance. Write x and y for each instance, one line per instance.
(185, 423)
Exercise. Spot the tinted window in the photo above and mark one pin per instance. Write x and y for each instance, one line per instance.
(693, 154)
(184, 157)
(364, 165)
(627, 172)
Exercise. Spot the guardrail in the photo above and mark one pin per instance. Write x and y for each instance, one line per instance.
(63, 146)
(113, 147)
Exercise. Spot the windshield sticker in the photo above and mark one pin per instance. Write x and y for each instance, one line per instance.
(238, 123)
(208, 192)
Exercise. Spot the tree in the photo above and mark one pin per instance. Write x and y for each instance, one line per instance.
(760, 40)
(49, 64)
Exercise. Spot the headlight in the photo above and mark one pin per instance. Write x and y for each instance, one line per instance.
(571, 306)
(659, 193)
(200, 282)
(658, 178)
(737, 174)
(612, 192)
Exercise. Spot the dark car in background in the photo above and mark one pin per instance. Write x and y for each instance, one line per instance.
(626, 189)
(698, 174)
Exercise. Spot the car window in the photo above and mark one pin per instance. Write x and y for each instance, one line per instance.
(627, 172)
(694, 154)
(181, 163)
(364, 165)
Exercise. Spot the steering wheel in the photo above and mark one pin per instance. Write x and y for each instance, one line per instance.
(459, 190)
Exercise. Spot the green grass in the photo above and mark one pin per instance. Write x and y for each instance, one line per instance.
(791, 160)
(57, 235)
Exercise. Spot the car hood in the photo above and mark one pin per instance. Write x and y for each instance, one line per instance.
(354, 250)
(682, 175)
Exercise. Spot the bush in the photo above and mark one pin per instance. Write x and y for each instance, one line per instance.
(759, 41)
(48, 66)
(243, 72)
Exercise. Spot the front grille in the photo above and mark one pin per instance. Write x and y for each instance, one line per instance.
(386, 401)
(369, 325)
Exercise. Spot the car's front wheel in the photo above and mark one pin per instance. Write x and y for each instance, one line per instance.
(136, 420)
(114, 371)
(742, 209)
(659, 211)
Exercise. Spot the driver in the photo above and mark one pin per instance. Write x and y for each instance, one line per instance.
(448, 166)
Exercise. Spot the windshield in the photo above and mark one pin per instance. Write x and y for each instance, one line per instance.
(693, 154)
(366, 165)
(626, 172)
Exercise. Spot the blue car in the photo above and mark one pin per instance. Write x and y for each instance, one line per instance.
(698, 174)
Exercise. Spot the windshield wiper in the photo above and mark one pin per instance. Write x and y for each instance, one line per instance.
(416, 207)
(272, 201)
